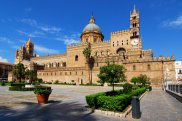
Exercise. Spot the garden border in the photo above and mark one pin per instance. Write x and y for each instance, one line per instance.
(117, 114)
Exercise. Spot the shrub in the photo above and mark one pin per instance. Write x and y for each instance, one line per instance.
(89, 84)
(116, 92)
(134, 87)
(92, 99)
(117, 103)
(22, 84)
(42, 90)
(2, 83)
(127, 87)
(138, 92)
(112, 103)
(56, 82)
(19, 88)
(39, 80)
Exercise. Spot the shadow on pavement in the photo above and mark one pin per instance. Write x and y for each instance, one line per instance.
(53, 111)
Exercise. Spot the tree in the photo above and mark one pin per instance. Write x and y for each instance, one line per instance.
(135, 80)
(89, 60)
(19, 71)
(112, 73)
(31, 75)
(143, 79)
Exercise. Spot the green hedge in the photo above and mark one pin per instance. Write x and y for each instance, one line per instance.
(112, 103)
(92, 99)
(18, 84)
(19, 88)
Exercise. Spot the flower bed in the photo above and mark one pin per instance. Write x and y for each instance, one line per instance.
(112, 103)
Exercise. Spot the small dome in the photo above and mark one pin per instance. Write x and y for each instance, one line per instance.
(92, 26)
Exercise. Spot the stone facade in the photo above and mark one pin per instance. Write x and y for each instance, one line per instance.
(178, 68)
(6, 68)
(124, 47)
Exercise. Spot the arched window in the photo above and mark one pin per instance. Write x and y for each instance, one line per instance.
(148, 66)
(134, 67)
(76, 57)
(121, 51)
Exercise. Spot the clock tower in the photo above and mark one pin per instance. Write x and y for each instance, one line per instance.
(135, 29)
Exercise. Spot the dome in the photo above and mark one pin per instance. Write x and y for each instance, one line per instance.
(92, 26)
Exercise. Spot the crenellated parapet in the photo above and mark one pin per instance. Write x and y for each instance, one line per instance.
(120, 32)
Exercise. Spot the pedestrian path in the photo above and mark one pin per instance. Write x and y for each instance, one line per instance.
(158, 105)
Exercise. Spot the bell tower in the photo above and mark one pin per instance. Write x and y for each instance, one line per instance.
(135, 29)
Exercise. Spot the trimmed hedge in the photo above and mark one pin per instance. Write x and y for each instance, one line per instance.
(112, 103)
(19, 88)
(92, 99)
(18, 84)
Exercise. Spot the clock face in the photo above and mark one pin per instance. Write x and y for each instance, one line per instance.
(135, 41)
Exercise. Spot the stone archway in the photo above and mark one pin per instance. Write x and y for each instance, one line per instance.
(121, 51)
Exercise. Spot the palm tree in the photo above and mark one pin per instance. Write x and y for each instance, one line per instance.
(89, 60)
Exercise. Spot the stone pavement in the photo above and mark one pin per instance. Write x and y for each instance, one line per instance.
(67, 104)
(158, 105)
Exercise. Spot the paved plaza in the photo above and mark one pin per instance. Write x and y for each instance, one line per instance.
(66, 103)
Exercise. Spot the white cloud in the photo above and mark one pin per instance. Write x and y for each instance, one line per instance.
(67, 41)
(50, 29)
(45, 50)
(6, 40)
(28, 21)
(44, 28)
(174, 23)
(32, 34)
(3, 59)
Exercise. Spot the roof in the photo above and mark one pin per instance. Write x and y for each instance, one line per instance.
(92, 26)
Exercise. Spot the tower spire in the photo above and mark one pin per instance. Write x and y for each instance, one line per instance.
(92, 19)
(134, 9)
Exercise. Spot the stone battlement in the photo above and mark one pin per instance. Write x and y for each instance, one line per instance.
(120, 32)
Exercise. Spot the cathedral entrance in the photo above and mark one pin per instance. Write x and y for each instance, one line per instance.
(121, 51)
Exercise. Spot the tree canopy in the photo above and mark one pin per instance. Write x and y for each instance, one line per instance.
(112, 73)
(31, 75)
(19, 71)
(141, 79)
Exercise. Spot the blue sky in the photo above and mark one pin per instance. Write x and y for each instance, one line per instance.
(53, 24)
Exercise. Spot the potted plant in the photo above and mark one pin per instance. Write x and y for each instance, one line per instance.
(42, 94)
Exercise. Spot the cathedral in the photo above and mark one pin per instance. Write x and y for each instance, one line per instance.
(124, 48)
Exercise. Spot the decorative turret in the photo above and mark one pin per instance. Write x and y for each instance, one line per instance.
(26, 52)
